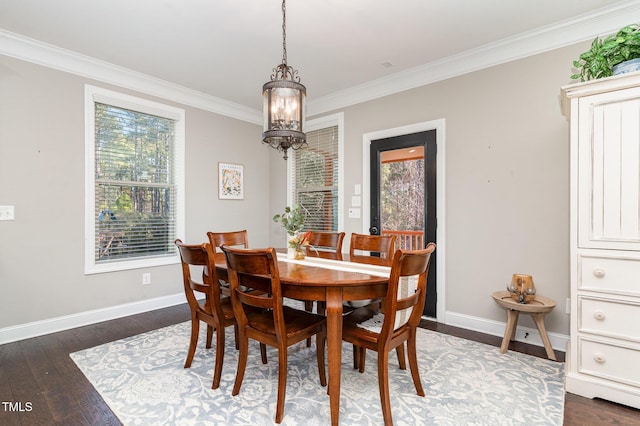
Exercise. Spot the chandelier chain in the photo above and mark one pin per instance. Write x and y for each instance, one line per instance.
(284, 32)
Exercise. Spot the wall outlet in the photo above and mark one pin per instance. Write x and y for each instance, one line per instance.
(146, 278)
(567, 307)
(7, 213)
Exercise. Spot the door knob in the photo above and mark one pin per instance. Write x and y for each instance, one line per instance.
(374, 230)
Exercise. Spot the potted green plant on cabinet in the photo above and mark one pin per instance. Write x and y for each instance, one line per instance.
(615, 54)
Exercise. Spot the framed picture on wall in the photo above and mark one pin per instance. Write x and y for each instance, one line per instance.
(230, 181)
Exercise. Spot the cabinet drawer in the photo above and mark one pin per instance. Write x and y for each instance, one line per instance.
(609, 362)
(609, 274)
(609, 318)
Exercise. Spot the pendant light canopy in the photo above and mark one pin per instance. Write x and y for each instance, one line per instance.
(284, 103)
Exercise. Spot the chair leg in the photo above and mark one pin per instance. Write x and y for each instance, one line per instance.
(263, 353)
(321, 338)
(282, 383)
(242, 363)
(195, 331)
(383, 385)
(361, 359)
(413, 363)
(235, 335)
(401, 358)
(308, 306)
(217, 373)
(210, 329)
(356, 357)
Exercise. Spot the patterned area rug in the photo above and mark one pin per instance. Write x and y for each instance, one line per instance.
(143, 380)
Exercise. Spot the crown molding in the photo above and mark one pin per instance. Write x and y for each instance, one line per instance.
(562, 34)
(30, 50)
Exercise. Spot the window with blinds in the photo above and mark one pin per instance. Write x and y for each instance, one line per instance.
(136, 190)
(315, 183)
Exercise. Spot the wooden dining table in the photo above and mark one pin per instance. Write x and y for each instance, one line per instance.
(333, 282)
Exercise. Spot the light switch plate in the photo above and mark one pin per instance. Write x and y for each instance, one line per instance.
(354, 213)
(7, 213)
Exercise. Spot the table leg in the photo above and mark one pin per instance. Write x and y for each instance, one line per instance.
(334, 349)
(539, 320)
(510, 331)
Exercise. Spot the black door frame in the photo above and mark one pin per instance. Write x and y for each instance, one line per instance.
(426, 139)
(440, 125)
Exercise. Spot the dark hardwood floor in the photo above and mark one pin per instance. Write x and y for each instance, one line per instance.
(41, 385)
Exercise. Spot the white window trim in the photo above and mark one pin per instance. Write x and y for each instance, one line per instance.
(93, 94)
(317, 124)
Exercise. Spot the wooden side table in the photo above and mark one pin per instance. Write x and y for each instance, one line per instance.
(537, 308)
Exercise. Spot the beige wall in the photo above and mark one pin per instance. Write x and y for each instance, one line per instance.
(507, 180)
(507, 187)
(42, 174)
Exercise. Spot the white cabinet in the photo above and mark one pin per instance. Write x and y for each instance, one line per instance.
(603, 359)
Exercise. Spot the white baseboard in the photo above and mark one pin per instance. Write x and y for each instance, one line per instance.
(495, 328)
(52, 325)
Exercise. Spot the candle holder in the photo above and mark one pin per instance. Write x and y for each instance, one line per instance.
(522, 288)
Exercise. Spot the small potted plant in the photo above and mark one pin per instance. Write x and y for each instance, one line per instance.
(292, 220)
(610, 55)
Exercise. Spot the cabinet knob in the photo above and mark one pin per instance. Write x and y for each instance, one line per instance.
(598, 272)
(599, 315)
(599, 358)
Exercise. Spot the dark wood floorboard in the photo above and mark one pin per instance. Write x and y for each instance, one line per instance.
(39, 371)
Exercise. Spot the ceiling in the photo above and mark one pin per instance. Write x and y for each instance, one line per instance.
(227, 49)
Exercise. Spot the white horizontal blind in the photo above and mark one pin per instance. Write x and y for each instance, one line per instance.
(135, 190)
(315, 183)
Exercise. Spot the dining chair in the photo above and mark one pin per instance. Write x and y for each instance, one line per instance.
(276, 325)
(325, 244)
(372, 248)
(216, 311)
(387, 329)
(328, 245)
(229, 238)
